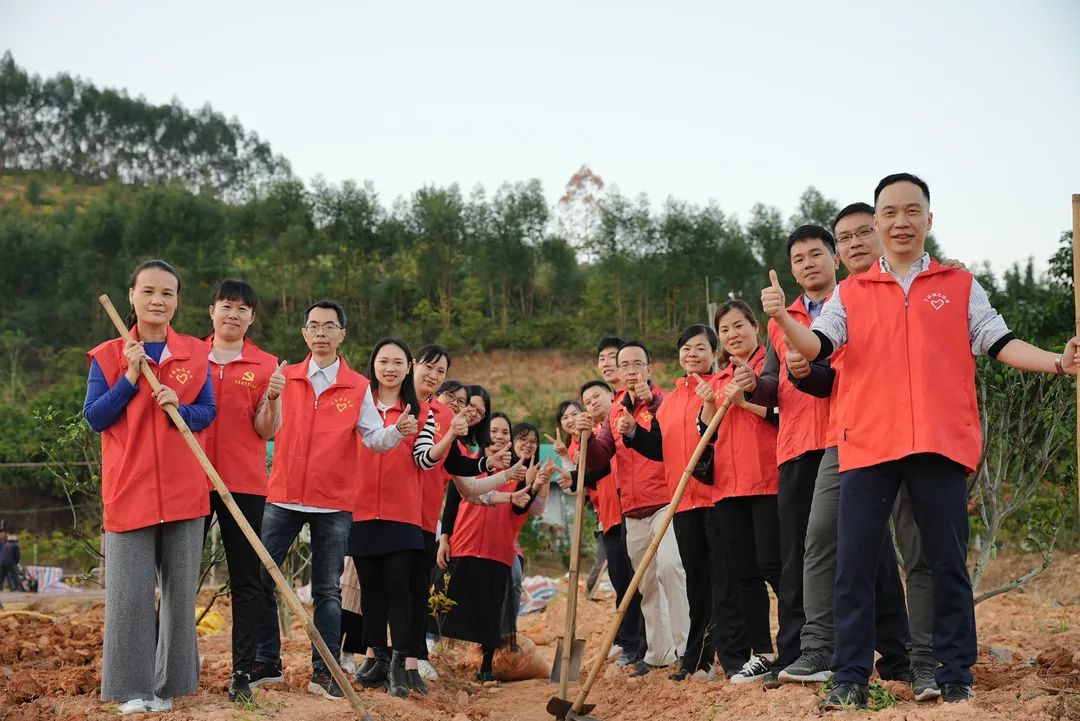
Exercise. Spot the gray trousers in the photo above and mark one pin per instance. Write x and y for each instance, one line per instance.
(819, 566)
(149, 654)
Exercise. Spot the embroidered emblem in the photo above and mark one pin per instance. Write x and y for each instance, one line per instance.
(342, 403)
(937, 301)
(645, 419)
(180, 375)
(248, 376)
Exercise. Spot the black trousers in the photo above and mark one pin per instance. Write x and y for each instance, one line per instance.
(716, 622)
(938, 490)
(245, 572)
(386, 597)
(631, 634)
(421, 585)
(751, 532)
(352, 633)
(796, 492)
(892, 633)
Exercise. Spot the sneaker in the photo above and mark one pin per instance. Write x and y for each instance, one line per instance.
(845, 696)
(771, 679)
(640, 668)
(615, 652)
(626, 659)
(956, 692)
(752, 670)
(323, 684)
(159, 705)
(923, 683)
(135, 705)
(813, 666)
(240, 687)
(348, 663)
(263, 673)
(427, 671)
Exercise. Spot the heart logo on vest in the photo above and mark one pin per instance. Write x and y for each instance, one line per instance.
(180, 375)
(645, 418)
(342, 404)
(937, 301)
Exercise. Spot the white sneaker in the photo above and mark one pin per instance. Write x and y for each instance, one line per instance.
(159, 705)
(348, 663)
(135, 705)
(752, 670)
(427, 671)
(614, 653)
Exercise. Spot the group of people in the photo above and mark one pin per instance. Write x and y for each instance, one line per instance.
(856, 409)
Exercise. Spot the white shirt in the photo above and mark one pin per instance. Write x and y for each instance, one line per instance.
(369, 424)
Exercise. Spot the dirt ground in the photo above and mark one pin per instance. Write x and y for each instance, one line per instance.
(1029, 668)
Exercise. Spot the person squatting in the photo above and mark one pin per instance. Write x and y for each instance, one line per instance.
(854, 409)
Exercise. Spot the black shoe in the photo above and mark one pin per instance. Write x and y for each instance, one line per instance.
(323, 684)
(415, 682)
(240, 687)
(956, 692)
(771, 679)
(845, 696)
(364, 668)
(377, 672)
(923, 683)
(681, 675)
(485, 677)
(264, 673)
(641, 668)
(398, 685)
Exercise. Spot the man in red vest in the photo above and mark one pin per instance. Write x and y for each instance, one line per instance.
(327, 411)
(907, 413)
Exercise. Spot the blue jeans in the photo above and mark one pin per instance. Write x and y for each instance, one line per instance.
(329, 535)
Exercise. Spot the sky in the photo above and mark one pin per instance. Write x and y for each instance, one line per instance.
(726, 102)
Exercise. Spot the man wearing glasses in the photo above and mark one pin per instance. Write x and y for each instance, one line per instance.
(644, 497)
(327, 411)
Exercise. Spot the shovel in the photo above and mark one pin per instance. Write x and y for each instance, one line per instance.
(287, 592)
(559, 706)
(569, 650)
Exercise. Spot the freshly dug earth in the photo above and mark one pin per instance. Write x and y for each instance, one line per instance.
(1029, 668)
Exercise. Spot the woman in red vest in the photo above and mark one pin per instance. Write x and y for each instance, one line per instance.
(716, 622)
(153, 512)
(745, 479)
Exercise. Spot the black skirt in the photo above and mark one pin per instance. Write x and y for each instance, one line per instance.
(477, 587)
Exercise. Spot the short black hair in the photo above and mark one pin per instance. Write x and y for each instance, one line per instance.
(901, 178)
(236, 290)
(611, 341)
(563, 405)
(433, 352)
(331, 304)
(859, 208)
(636, 344)
(449, 386)
(694, 331)
(811, 232)
(595, 384)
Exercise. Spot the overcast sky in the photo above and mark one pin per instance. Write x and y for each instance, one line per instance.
(737, 102)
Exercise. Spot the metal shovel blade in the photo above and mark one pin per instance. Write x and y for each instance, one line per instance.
(577, 651)
(561, 709)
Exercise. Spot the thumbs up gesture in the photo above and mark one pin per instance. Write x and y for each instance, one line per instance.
(704, 391)
(277, 382)
(798, 366)
(743, 376)
(460, 425)
(501, 459)
(406, 423)
(772, 298)
(626, 424)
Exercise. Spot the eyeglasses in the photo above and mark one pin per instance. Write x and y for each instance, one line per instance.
(636, 365)
(456, 403)
(862, 234)
(328, 327)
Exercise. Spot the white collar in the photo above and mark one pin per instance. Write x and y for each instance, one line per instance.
(330, 371)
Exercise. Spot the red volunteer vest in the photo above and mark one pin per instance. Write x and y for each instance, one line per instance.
(605, 497)
(390, 486)
(832, 434)
(744, 463)
(641, 482)
(236, 450)
(678, 424)
(148, 473)
(485, 531)
(908, 384)
(804, 419)
(317, 450)
(434, 480)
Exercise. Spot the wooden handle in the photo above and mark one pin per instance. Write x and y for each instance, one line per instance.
(650, 553)
(287, 592)
(1076, 300)
(575, 557)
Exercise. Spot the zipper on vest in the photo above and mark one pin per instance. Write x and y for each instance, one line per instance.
(217, 399)
(157, 467)
(307, 446)
(907, 351)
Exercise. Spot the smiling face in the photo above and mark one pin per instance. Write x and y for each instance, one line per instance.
(475, 410)
(738, 335)
(597, 401)
(526, 445)
(569, 418)
(500, 432)
(391, 366)
(857, 242)
(429, 375)
(814, 266)
(455, 400)
(231, 319)
(902, 218)
(696, 355)
(154, 297)
(608, 366)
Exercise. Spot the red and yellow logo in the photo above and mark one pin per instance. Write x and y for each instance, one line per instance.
(180, 375)
(645, 419)
(248, 376)
(342, 404)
